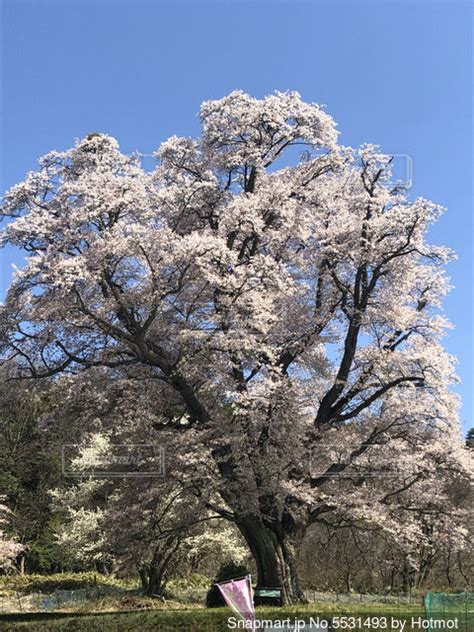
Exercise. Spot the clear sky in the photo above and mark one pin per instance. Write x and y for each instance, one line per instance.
(393, 73)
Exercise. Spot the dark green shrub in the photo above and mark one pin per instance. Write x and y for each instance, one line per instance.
(227, 571)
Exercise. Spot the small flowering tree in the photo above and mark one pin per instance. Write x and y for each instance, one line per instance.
(80, 534)
(273, 311)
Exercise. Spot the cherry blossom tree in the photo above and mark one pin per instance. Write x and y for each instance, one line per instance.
(274, 310)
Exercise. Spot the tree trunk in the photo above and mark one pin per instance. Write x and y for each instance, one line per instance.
(392, 580)
(407, 576)
(152, 581)
(275, 552)
(155, 582)
(348, 580)
(143, 578)
(153, 575)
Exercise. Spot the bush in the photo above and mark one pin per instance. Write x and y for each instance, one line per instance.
(192, 581)
(60, 581)
(228, 571)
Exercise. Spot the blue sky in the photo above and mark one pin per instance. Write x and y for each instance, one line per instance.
(394, 73)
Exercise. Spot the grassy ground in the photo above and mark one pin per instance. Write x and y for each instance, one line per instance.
(197, 620)
(61, 581)
(10, 584)
(128, 610)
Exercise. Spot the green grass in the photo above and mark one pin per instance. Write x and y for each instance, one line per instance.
(197, 620)
(132, 611)
(195, 580)
(60, 581)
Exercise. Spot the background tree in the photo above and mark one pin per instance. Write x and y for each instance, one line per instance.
(470, 438)
(30, 464)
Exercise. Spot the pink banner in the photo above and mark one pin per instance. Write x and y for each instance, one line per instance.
(238, 595)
